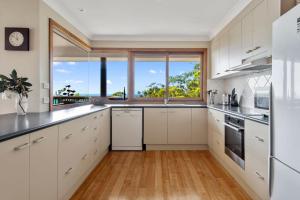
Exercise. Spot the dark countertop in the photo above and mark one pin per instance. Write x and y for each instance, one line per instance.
(12, 125)
(246, 113)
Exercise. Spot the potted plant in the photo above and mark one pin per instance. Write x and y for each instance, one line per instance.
(17, 87)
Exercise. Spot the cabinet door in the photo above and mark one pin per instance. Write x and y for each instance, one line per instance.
(199, 126)
(215, 58)
(14, 173)
(224, 53)
(43, 164)
(179, 126)
(235, 45)
(105, 129)
(247, 35)
(261, 28)
(211, 122)
(155, 126)
(257, 157)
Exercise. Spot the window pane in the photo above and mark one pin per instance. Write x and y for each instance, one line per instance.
(184, 76)
(116, 77)
(150, 76)
(94, 77)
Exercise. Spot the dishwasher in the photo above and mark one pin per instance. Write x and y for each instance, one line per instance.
(127, 129)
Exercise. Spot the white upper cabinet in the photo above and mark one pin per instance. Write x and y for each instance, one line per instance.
(215, 58)
(235, 45)
(256, 31)
(224, 52)
(248, 36)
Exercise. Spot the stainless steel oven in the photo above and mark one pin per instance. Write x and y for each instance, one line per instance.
(235, 139)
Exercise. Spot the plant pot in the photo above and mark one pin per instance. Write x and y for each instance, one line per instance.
(21, 104)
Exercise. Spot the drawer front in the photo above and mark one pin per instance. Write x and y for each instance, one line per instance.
(257, 175)
(219, 144)
(217, 121)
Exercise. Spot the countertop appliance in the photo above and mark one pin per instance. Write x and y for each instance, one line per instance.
(127, 128)
(234, 139)
(285, 108)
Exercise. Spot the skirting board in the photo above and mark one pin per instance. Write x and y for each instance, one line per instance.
(176, 147)
(236, 177)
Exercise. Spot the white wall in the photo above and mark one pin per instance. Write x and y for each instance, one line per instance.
(34, 64)
(20, 13)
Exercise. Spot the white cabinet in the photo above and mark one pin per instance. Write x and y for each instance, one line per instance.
(14, 173)
(105, 129)
(256, 157)
(199, 126)
(215, 58)
(43, 164)
(224, 53)
(179, 126)
(156, 126)
(235, 44)
(256, 31)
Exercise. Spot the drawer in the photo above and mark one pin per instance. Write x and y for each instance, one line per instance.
(257, 175)
(217, 121)
(219, 144)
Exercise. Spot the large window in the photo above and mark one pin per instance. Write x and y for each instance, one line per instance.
(150, 75)
(170, 75)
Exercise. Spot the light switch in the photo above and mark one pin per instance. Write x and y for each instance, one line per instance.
(46, 100)
(46, 85)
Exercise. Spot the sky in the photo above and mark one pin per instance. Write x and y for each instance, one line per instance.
(87, 82)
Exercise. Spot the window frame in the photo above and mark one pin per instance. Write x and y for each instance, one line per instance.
(168, 53)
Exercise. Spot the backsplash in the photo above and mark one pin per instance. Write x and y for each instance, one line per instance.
(245, 87)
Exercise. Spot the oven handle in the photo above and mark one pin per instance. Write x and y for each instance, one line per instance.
(233, 127)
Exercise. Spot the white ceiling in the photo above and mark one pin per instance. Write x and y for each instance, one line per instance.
(149, 20)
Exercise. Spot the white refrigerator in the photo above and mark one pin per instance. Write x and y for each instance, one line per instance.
(285, 120)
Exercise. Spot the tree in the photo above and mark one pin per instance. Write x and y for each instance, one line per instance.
(184, 85)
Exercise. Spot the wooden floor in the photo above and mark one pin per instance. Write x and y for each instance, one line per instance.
(185, 175)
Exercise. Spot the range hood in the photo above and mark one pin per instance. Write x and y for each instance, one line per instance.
(254, 65)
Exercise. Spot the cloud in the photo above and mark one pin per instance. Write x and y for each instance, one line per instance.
(74, 81)
(109, 82)
(71, 63)
(63, 71)
(56, 63)
(151, 71)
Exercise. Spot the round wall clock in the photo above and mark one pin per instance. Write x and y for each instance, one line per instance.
(17, 39)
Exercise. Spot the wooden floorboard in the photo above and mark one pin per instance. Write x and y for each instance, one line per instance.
(160, 175)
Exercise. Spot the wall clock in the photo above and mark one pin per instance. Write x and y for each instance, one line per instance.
(16, 39)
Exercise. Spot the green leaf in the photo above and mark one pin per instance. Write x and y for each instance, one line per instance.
(14, 74)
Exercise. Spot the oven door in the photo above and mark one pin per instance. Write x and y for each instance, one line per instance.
(234, 144)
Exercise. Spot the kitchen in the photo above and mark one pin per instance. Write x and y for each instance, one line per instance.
(106, 103)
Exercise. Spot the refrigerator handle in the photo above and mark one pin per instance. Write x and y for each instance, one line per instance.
(271, 174)
(271, 122)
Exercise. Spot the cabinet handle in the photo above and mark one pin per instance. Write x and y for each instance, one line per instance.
(95, 140)
(95, 128)
(84, 157)
(249, 51)
(22, 146)
(258, 47)
(69, 136)
(218, 73)
(217, 120)
(96, 117)
(101, 115)
(69, 171)
(259, 139)
(39, 140)
(259, 176)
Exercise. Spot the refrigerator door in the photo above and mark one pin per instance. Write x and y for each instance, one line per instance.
(286, 89)
(285, 182)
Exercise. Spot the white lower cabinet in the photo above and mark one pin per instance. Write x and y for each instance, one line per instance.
(256, 157)
(179, 126)
(156, 126)
(43, 164)
(14, 173)
(175, 126)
